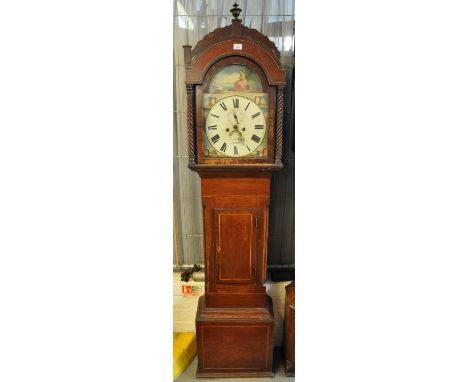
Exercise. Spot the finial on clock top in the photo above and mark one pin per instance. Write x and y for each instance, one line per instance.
(236, 11)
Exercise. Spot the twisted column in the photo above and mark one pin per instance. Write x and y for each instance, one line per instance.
(279, 124)
(190, 123)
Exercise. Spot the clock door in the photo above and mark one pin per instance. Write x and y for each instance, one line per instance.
(235, 245)
(235, 228)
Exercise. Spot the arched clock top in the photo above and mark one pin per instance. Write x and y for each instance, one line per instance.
(235, 31)
(234, 39)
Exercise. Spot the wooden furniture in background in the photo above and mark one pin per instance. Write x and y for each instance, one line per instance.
(289, 330)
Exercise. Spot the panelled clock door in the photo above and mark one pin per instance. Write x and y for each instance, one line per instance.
(235, 242)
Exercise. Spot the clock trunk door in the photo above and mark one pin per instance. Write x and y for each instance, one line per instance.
(235, 245)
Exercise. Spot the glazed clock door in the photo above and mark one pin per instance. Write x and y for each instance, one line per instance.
(235, 245)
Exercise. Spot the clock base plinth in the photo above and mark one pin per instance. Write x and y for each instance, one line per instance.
(234, 342)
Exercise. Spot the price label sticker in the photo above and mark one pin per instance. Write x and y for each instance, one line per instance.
(237, 47)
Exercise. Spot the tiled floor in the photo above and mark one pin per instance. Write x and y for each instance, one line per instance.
(189, 374)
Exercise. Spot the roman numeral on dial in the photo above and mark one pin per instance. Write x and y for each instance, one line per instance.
(255, 138)
(235, 101)
(247, 106)
(223, 147)
(223, 106)
(215, 138)
(256, 115)
(214, 115)
(212, 127)
(235, 150)
(259, 126)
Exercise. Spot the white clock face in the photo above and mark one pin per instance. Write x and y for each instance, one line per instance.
(235, 126)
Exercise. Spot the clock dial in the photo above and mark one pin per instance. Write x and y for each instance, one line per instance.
(235, 126)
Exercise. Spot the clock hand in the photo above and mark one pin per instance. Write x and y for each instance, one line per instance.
(241, 140)
(235, 117)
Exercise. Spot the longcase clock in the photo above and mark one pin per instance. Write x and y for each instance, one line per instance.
(235, 83)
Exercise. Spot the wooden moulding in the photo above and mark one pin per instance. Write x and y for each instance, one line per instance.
(236, 30)
(236, 169)
(205, 313)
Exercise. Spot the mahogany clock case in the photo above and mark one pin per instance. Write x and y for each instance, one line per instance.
(235, 319)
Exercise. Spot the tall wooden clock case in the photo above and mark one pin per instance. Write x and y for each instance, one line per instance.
(235, 85)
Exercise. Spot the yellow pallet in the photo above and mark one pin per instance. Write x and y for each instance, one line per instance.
(184, 351)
